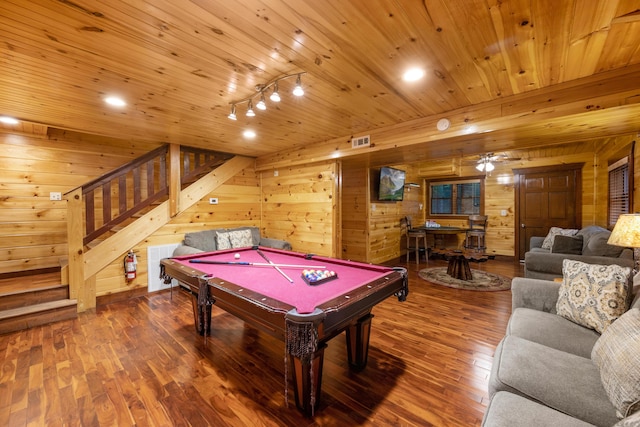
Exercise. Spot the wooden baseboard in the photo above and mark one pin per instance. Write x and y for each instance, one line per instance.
(121, 296)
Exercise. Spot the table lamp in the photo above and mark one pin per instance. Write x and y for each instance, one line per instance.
(626, 233)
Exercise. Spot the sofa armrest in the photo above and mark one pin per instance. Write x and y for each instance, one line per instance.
(275, 243)
(536, 294)
(186, 250)
(535, 242)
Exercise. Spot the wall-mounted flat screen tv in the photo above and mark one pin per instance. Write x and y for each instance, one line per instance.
(391, 184)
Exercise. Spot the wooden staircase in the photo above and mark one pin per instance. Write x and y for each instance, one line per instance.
(34, 300)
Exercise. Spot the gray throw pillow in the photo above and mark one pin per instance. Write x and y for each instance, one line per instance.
(597, 246)
(567, 245)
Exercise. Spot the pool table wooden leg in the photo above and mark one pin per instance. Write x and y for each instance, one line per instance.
(358, 342)
(199, 314)
(307, 379)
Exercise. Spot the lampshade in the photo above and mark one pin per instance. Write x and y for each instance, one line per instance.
(626, 231)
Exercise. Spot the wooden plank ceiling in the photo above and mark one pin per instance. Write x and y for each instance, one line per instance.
(180, 64)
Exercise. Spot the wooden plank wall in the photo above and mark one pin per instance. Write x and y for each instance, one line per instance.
(355, 212)
(383, 243)
(33, 229)
(300, 205)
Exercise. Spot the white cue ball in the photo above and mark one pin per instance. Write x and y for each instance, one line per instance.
(237, 256)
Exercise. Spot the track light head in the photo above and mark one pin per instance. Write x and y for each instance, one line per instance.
(298, 91)
(275, 96)
(232, 114)
(250, 112)
(261, 105)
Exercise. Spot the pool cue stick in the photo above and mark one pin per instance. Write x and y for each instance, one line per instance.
(274, 266)
(256, 264)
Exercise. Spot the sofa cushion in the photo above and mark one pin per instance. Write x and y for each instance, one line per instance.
(203, 240)
(552, 330)
(557, 379)
(222, 240)
(508, 410)
(617, 355)
(597, 246)
(240, 238)
(553, 231)
(593, 295)
(567, 245)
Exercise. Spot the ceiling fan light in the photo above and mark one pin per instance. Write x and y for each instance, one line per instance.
(275, 96)
(232, 114)
(489, 167)
(480, 166)
(298, 91)
(261, 105)
(250, 112)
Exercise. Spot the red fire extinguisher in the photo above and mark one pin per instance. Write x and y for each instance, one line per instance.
(130, 266)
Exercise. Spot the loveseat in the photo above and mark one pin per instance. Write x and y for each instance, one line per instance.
(225, 238)
(552, 371)
(589, 245)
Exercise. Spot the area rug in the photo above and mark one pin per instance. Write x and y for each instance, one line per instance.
(482, 280)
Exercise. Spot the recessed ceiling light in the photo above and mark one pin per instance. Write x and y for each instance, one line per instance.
(249, 134)
(114, 101)
(413, 74)
(9, 120)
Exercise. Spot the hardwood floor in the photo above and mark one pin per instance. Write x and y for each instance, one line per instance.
(140, 363)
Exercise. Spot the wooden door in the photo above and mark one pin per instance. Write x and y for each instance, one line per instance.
(546, 197)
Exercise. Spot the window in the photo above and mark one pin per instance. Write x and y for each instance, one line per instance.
(462, 197)
(619, 186)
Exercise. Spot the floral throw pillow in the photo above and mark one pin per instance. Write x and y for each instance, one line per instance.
(553, 232)
(617, 356)
(222, 240)
(593, 295)
(240, 238)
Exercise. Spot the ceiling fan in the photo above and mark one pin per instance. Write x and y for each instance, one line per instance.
(486, 161)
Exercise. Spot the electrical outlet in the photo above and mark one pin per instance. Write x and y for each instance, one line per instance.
(213, 200)
(55, 195)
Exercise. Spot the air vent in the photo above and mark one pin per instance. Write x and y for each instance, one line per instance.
(361, 141)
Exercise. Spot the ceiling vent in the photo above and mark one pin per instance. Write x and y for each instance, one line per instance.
(361, 141)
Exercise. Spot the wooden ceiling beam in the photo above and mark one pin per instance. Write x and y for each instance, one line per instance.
(562, 109)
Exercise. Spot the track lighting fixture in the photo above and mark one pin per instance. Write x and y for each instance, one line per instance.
(250, 112)
(275, 95)
(261, 105)
(298, 91)
(232, 114)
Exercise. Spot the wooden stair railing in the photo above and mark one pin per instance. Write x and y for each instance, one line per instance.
(147, 181)
(133, 187)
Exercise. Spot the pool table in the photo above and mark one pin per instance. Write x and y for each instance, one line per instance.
(266, 288)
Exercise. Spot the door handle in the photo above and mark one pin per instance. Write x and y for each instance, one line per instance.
(522, 226)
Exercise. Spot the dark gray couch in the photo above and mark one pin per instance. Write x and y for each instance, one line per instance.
(205, 241)
(542, 374)
(544, 264)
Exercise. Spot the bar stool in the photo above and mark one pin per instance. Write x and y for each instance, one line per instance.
(474, 238)
(416, 240)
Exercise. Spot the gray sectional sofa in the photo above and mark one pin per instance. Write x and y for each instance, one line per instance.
(549, 371)
(587, 245)
(207, 240)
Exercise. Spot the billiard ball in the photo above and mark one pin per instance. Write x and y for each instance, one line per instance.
(237, 256)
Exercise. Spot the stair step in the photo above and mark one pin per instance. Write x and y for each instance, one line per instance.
(27, 297)
(20, 318)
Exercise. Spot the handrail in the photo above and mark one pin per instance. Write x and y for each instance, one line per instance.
(129, 189)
